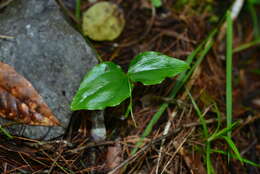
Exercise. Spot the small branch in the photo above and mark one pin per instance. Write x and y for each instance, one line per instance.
(6, 37)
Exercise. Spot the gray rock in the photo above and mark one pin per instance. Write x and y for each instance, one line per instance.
(49, 53)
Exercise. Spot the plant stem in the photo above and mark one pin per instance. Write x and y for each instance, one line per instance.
(77, 13)
(229, 53)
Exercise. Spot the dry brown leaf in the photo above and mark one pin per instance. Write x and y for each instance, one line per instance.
(114, 157)
(19, 100)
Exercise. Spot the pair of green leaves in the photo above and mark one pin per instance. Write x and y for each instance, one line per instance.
(107, 85)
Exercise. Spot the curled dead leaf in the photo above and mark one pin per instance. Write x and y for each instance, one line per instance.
(114, 157)
(19, 101)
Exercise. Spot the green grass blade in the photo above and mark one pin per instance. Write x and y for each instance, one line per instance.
(149, 128)
(247, 45)
(256, 71)
(77, 12)
(216, 110)
(202, 52)
(253, 13)
(233, 156)
(201, 118)
(233, 147)
(210, 169)
(229, 71)
(5, 132)
(222, 132)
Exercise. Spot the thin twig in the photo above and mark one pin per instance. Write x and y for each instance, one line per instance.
(189, 85)
(6, 37)
(143, 35)
(165, 132)
(25, 161)
(5, 3)
(68, 12)
(178, 147)
(143, 149)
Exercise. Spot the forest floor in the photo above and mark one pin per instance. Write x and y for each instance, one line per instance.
(175, 29)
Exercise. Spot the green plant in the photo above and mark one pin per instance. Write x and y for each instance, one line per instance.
(253, 12)
(107, 85)
(205, 134)
(235, 157)
(156, 3)
(218, 134)
(200, 52)
(77, 12)
(5, 132)
(229, 54)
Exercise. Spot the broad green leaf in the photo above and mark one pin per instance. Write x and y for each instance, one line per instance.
(156, 3)
(105, 85)
(152, 67)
